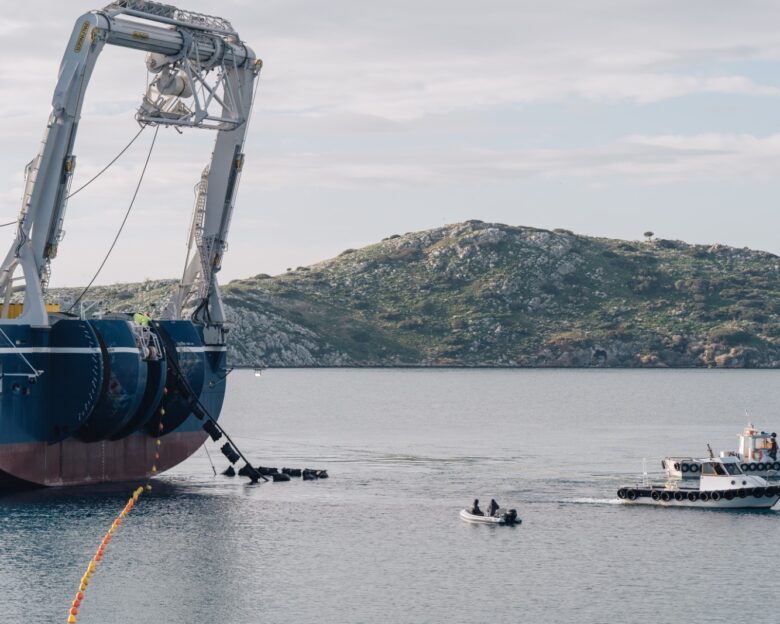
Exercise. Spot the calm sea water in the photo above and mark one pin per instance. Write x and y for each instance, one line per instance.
(381, 542)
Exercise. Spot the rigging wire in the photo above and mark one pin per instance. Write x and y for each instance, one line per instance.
(213, 469)
(121, 227)
(9, 223)
(103, 170)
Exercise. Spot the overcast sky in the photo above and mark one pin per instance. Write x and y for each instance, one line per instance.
(607, 117)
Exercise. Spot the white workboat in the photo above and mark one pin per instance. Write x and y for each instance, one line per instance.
(505, 517)
(712, 483)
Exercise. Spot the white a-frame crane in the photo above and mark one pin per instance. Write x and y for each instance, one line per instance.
(204, 77)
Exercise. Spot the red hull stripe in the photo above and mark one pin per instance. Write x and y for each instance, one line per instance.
(72, 462)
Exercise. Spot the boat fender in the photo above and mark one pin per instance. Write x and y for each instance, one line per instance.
(742, 492)
(211, 428)
(752, 465)
(665, 496)
(685, 467)
(693, 496)
(631, 494)
(676, 465)
(229, 452)
(663, 464)
(728, 495)
(758, 492)
(695, 467)
(761, 467)
(655, 495)
(621, 493)
(744, 467)
(678, 496)
(776, 466)
(704, 497)
(247, 471)
(716, 496)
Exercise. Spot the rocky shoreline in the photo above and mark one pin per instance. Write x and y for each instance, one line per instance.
(491, 295)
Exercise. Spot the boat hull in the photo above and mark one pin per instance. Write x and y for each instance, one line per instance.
(73, 462)
(469, 517)
(736, 503)
(97, 410)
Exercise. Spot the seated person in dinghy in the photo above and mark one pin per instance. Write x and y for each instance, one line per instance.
(493, 507)
(475, 510)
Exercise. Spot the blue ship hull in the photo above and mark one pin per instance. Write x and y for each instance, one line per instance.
(99, 405)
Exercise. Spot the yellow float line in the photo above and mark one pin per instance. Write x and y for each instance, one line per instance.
(74, 608)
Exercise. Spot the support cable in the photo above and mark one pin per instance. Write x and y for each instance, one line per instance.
(213, 469)
(121, 227)
(104, 169)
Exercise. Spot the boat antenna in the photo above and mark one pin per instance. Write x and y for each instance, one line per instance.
(709, 449)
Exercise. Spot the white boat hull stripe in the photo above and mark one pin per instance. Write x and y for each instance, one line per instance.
(90, 350)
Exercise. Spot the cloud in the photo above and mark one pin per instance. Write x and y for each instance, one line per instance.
(637, 159)
(361, 96)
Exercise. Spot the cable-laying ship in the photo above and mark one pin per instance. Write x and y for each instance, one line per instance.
(85, 400)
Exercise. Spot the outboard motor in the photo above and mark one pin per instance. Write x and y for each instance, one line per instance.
(510, 517)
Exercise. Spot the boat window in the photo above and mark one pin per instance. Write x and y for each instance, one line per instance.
(732, 469)
(720, 469)
(707, 469)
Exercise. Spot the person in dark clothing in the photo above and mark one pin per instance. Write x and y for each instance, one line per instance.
(475, 510)
(493, 507)
(773, 446)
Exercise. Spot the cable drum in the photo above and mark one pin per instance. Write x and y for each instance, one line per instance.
(124, 381)
(184, 350)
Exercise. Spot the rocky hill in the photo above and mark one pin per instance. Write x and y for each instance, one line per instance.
(487, 294)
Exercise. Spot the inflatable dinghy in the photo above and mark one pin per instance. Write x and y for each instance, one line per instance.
(506, 517)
